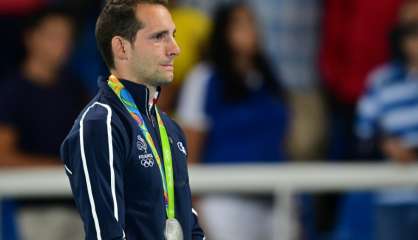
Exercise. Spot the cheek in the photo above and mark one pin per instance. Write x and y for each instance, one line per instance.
(61, 46)
(146, 54)
(243, 40)
(38, 41)
(235, 39)
(56, 46)
(144, 62)
(148, 62)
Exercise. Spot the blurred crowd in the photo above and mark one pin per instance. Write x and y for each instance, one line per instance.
(256, 82)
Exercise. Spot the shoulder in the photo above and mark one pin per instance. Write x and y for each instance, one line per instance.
(194, 97)
(12, 87)
(200, 72)
(12, 82)
(96, 111)
(196, 83)
(72, 82)
(384, 75)
(101, 116)
(97, 123)
(94, 117)
(98, 116)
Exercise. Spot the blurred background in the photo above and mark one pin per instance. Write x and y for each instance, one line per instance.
(273, 83)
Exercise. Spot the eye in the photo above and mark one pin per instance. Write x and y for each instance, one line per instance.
(159, 36)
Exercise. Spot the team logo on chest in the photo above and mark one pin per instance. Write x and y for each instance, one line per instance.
(181, 148)
(146, 159)
(141, 144)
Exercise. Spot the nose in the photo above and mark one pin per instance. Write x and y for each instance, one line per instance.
(173, 48)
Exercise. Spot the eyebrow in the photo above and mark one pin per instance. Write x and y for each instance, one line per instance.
(163, 32)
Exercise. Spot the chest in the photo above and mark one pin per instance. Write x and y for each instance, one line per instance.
(399, 106)
(145, 173)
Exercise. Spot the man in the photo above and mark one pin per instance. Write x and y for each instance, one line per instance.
(126, 161)
(31, 131)
(388, 118)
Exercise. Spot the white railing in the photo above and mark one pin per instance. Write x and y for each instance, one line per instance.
(281, 180)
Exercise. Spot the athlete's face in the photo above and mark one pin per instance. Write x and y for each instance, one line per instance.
(151, 55)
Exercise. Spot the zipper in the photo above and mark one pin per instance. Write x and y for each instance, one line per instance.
(147, 107)
(153, 121)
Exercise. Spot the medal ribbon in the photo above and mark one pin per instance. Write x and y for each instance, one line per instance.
(167, 172)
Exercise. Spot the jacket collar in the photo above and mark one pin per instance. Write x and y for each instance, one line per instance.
(139, 92)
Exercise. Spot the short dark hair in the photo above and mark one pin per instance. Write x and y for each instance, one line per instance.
(35, 19)
(118, 18)
(221, 56)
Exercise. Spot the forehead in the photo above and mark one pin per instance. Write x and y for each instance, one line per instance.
(54, 21)
(154, 17)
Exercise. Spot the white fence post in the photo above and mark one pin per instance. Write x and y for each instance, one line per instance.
(285, 217)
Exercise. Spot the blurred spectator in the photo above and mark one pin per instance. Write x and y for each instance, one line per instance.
(291, 36)
(12, 13)
(388, 113)
(39, 102)
(233, 112)
(354, 40)
(37, 108)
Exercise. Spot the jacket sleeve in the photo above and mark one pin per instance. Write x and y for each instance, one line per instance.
(93, 159)
(197, 231)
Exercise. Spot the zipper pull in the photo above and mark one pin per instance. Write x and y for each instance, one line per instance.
(153, 121)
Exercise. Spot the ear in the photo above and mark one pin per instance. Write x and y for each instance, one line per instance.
(120, 48)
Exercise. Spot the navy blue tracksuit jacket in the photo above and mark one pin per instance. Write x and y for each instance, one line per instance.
(114, 177)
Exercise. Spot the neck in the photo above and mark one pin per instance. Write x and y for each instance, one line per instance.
(152, 92)
(152, 89)
(243, 64)
(39, 72)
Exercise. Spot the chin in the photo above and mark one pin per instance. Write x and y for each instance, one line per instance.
(168, 78)
(166, 82)
(163, 81)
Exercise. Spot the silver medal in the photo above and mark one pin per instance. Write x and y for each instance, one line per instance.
(173, 230)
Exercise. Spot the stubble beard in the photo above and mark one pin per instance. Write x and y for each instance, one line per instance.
(158, 79)
(152, 76)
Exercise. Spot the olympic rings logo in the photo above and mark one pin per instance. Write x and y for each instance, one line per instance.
(146, 160)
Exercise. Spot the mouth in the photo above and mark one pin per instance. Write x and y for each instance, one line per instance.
(168, 67)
